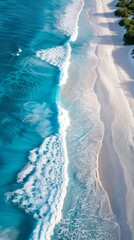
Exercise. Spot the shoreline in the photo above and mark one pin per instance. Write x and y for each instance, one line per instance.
(85, 134)
(115, 96)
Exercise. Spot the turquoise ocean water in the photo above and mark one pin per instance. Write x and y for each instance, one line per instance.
(37, 42)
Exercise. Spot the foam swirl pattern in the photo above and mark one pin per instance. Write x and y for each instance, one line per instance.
(41, 194)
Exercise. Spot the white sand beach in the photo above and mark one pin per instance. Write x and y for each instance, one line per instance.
(115, 92)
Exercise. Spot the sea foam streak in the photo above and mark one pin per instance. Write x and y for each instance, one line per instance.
(43, 192)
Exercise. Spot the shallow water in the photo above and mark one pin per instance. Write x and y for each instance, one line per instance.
(86, 212)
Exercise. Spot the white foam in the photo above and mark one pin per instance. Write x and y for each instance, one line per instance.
(20, 50)
(26, 171)
(17, 53)
(56, 56)
(63, 119)
(59, 57)
(65, 67)
(44, 191)
(33, 155)
(69, 21)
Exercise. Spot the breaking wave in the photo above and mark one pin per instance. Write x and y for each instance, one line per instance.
(68, 23)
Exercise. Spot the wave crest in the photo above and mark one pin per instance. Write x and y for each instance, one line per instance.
(56, 56)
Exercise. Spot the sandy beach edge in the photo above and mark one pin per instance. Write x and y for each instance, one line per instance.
(115, 95)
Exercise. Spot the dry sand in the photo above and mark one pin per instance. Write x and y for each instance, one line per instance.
(115, 92)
